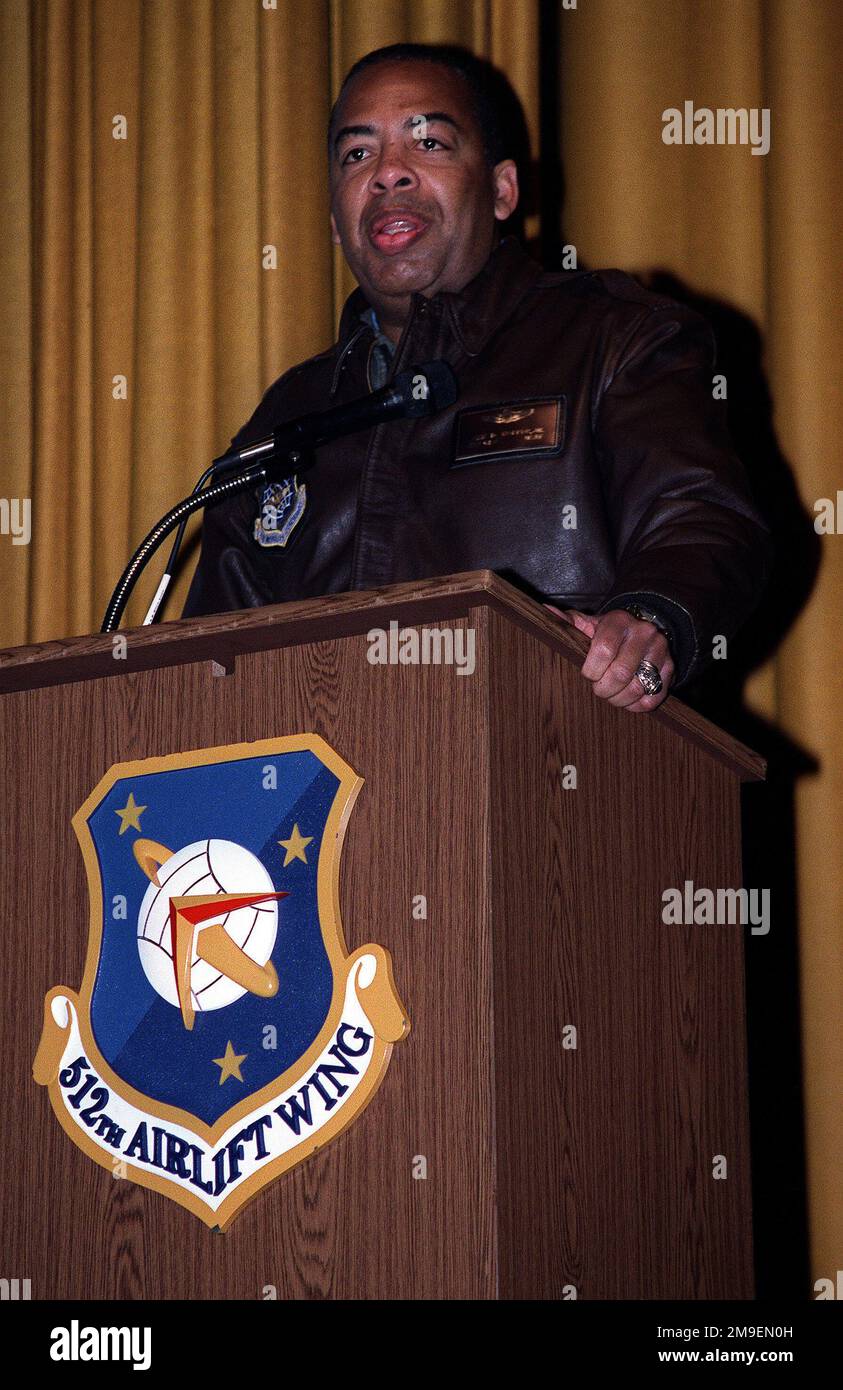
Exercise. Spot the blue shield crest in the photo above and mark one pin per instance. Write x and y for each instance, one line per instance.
(222, 1032)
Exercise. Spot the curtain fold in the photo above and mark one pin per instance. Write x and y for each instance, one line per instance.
(17, 329)
(154, 285)
(804, 59)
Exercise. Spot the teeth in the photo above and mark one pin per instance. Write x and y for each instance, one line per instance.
(392, 228)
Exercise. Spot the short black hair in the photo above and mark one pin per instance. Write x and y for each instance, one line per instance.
(496, 107)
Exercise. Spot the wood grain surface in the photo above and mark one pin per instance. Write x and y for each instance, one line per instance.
(223, 637)
(545, 1167)
(606, 1181)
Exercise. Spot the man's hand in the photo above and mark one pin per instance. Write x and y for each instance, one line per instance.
(619, 643)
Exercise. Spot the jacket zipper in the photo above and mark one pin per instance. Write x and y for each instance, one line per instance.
(377, 434)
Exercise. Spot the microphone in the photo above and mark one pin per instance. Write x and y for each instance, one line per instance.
(420, 390)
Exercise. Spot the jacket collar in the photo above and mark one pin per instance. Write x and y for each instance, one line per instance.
(475, 311)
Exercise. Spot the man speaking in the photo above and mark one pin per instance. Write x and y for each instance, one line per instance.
(585, 458)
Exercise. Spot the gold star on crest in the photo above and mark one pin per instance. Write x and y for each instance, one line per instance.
(130, 814)
(295, 846)
(229, 1065)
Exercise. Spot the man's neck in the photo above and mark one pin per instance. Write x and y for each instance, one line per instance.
(392, 315)
(392, 321)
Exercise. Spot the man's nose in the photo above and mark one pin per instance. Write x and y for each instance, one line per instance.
(394, 171)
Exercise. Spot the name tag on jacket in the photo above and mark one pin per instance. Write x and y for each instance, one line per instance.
(513, 430)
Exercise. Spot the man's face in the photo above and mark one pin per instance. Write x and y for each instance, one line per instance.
(413, 198)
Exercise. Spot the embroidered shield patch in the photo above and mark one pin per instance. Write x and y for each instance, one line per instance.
(282, 508)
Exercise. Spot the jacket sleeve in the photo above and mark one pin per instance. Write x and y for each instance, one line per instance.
(689, 542)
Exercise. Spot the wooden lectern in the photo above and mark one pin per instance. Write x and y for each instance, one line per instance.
(568, 1115)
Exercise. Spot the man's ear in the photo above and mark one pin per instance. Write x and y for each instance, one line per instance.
(505, 176)
(335, 236)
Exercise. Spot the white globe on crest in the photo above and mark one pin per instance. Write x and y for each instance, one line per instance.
(203, 868)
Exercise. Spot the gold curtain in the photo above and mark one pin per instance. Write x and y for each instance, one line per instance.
(141, 316)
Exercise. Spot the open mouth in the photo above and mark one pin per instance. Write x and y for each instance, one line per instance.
(394, 232)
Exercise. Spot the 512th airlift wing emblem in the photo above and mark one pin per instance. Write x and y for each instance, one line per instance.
(222, 1032)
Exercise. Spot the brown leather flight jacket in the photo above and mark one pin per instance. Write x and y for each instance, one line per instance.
(585, 460)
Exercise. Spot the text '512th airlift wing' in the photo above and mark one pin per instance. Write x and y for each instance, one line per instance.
(222, 1032)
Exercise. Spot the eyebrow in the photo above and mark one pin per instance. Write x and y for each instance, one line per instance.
(432, 117)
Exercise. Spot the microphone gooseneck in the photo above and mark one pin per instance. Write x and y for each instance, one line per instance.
(228, 487)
